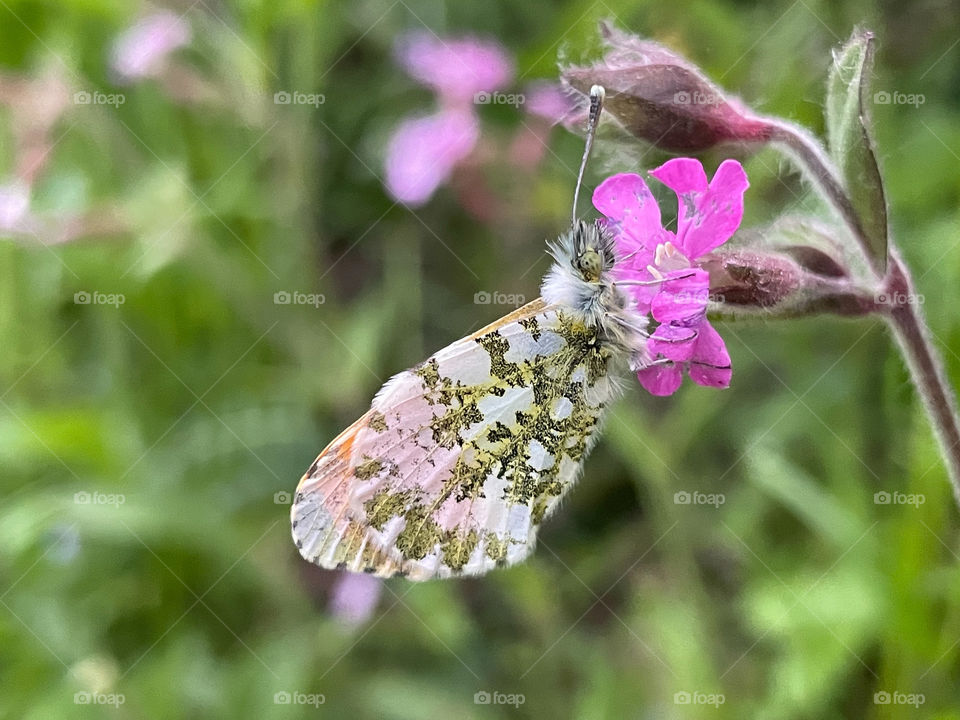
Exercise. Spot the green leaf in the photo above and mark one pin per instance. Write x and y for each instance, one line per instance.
(851, 146)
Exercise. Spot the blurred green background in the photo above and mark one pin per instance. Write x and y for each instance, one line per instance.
(144, 549)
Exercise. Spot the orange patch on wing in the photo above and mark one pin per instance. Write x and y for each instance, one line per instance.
(341, 446)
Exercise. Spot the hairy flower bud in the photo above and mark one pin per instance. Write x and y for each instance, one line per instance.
(752, 279)
(660, 97)
(797, 280)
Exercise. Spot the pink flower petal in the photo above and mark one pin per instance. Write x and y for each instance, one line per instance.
(456, 68)
(661, 380)
(423, 151)
(710, 365)
(682, 175)
(710, 376)
(674, 342)
(635, 270)
(629, 205)
(708, 215)
(549, 101)
(683, 297)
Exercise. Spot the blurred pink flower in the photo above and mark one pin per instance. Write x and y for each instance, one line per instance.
(667, 284)
(423, 151)
(141, 50)
(456, 68)
(529, 146)
(549, 101)
(355, 597)
(546, 104)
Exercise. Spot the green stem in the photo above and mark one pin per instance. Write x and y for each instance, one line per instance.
(900, 307)
(808, 151)
(910, 330)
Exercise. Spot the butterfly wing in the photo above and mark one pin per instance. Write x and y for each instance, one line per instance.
(459, 459)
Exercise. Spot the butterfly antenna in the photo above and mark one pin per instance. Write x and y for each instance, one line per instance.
(597, 94)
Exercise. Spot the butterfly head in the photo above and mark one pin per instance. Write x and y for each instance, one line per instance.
(590, 250)
(589, 264)
(580, 277)
(581, 283)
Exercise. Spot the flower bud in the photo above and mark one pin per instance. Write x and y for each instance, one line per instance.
(660, 97)
(815, 260)
(752, 279)
(746, 280)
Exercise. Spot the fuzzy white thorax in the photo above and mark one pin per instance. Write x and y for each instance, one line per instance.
(580, 282)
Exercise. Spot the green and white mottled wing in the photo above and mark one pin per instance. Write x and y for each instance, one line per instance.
(460, 459)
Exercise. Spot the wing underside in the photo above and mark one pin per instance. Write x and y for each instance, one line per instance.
(459, 459)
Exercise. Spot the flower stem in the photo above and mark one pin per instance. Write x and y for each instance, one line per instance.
(903, 315)
(806, 149)
(910, 330)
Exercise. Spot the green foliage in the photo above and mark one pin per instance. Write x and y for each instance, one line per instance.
(851, 145)
(198, 399)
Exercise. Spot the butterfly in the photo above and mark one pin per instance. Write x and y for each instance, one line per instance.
(461, 458)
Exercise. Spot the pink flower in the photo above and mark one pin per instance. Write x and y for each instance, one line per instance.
(457, 69)
(659, 266)
(547, 104)
(549, 101)
(424, 151)
(355, 597)
(141, 51)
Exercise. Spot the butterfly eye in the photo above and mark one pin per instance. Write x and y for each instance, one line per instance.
(589, 265)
